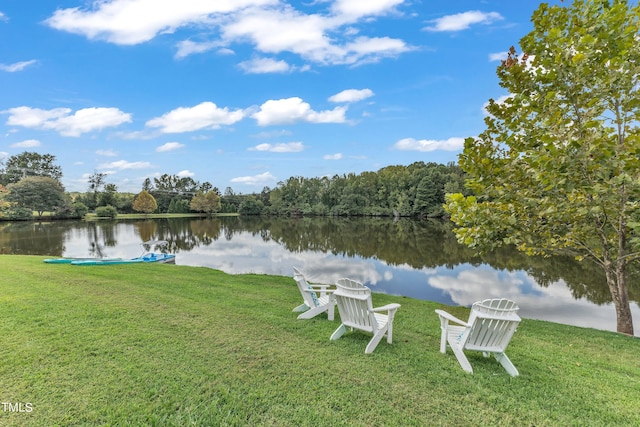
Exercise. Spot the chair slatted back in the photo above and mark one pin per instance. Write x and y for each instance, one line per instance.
(355, 305)
(310, 297)
(493, 323)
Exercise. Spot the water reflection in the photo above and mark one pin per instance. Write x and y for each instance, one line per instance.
(416, 259)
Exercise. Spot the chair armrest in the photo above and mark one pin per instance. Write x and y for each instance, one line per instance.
(445, 315)
(388, 307)
(323, 290)
(319, 286)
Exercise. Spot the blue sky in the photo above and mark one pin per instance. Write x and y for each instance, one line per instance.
(246, 93)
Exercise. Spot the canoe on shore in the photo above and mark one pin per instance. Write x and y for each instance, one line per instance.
(71, 260)
(148, 255)
(159, 258)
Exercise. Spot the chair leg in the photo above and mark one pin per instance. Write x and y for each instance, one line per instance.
(301, 307)
(330, 311)
(313, 312)
(443, 339)
(462, 359)
(374, 342)
(506, 364)
(338, 332)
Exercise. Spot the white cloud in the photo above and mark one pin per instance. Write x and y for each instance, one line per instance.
(292, 110)
(271, 26)
(18, 66)
(289, 147)
(264, 66)
(351, 95)
(185, 174)
(425, 145)
(337, 156)
(136, 135)
(29, 143)
(188, 47)
(255, 180)
(360, 8)
(90, 119)
(205, 115)
(319, 38)
(130, 22)
(462, 21)
(372, 49)
(169, 146)
(272, 134)
(34, 117)
(3, 17)
(316, 38)
(62, 121)
(275, 31)
(107, 153)
(124, 165)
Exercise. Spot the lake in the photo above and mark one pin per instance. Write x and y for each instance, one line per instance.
(417, 259)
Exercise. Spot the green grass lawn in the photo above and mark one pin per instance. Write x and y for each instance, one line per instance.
(170, 345)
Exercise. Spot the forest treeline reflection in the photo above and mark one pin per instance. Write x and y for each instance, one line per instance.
(402, 242)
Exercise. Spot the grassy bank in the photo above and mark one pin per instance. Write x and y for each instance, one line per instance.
(175, 345)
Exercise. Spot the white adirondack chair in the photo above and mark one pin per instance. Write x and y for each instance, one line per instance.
(357, 312)
(489, 329)
(317, 298)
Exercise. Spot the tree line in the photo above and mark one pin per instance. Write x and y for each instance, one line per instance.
(31, 182)
(416, 190)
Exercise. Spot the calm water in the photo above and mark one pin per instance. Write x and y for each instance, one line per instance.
(417, 259)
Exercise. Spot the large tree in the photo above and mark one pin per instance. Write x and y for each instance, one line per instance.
(145, 203)
(109, 196)
(557, 168)
(38, 193)
(30, 164)
(96, 182)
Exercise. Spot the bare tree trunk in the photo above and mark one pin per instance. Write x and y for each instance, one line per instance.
(617, 282)
(616, 273)
(621, 296)
(623, 308)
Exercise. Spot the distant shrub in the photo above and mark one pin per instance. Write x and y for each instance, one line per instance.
(80, 210)
(106, 212)
(75, 210)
